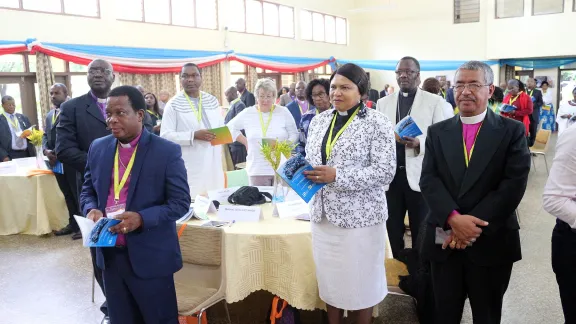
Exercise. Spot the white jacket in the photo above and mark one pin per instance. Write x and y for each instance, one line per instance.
(427, 109)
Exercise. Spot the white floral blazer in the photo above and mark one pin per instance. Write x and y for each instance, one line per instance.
(365, 160)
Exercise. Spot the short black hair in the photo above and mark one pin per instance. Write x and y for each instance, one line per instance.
(323, 82)
(191, 65)
(134, 96)
(498, 94)
(355, 74)
(544, 83)
(6, 98)
(411, 59)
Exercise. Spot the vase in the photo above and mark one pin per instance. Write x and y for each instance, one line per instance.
(40, 158)
(279, 193)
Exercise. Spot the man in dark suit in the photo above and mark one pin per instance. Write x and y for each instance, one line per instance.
(383, 93)
(246, 96)
(82, 120)
(12, 145)
(237, 150)
(474, 176)
(450, 97)
(66, 181)
(139, 270)
(300, 105)
(537, 102)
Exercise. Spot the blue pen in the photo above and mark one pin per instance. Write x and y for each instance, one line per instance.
(232, 222)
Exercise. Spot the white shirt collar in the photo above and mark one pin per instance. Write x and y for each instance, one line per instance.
(342, 113)
(125, 145)
(474, 119)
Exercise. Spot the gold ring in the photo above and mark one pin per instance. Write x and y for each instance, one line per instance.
(453, 244)
(317, 177)
(124, 229)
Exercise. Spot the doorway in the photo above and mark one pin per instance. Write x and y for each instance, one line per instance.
(567, 84)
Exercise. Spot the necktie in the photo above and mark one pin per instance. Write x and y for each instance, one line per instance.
(19, 140)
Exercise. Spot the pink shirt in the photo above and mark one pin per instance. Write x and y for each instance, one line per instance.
(125, 153)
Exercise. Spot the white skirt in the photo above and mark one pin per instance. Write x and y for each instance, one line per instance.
(350, 264)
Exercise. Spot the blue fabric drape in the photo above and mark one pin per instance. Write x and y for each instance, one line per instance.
(539, 63)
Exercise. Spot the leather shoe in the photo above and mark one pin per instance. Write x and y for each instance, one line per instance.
(106, 320)
(77, 235)
(64, 231)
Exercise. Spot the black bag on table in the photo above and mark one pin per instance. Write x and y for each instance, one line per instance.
(248, 196)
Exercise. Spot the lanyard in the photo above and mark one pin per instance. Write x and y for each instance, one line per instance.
(151, 112)
(199, 109)
(298, 102)
(119, 185)
(265, 126)
(54, 116)
(443, 94)
(468, 155)
(330, 142)
(13, 121)
(513, 100)
(531, 92)
(234, 101)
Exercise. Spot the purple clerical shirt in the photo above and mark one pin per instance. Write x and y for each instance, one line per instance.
(469, 132)
(101, 105)
(124, 153)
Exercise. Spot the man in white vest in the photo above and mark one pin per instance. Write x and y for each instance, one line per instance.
(403, 193)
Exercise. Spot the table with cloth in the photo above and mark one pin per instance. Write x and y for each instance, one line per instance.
(275, 254)
(30, 205)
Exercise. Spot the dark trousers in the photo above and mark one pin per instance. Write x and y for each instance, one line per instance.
(77, 180)
(458, 278)
(134, 300)
(401, 198)
(18, 154)
(238, 154)
(67, 184)
(533, 129)
(564, 266)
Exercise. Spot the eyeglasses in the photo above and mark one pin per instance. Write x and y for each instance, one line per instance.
(319, 95)
(103, 71)
(407, 72)
(188, 76)
(471, 86)
(265, 97)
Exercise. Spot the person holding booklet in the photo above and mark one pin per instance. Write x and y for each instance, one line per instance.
(188, 120)
(265, 120)
(517, 104)
(138, 179)
(352, 151)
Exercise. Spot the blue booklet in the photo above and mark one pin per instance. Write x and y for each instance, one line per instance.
(505, 108)
(58, 168)
(97, 234)
(407, 128)
(292, 172)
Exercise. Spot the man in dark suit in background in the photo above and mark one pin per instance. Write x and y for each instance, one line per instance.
(66, 181)
(139, 270)
(82, 120)
(237, 149)
(299, 105)
(12, 146)
(246, 96)
(537, 102)
(473, 178)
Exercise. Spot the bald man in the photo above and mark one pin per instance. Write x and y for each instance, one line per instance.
(246, 96)
(163, 98)
(287, 98)
(83, 120)
(299, 106)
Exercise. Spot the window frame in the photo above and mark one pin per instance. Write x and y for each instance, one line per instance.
(62, 10)
(278, 5)
(464, 22)
(496, 11)
(170, 23)
(324, 24)
(552, 13)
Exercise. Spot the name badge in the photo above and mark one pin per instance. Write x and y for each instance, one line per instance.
(115, 210)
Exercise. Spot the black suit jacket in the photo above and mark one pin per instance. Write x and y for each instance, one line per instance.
(491, 188)
(234, 110)
(538, 102)
(80, 123)
(248, 98)
(49, 138)
(6, 135)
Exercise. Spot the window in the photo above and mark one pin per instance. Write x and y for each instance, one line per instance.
(546, 7)
(188, 13)
(322, 28)
(509, 8)
(323, 72)
(12, 63)
(466, 11)
(58, 65)
(261, 17)
(89, 8)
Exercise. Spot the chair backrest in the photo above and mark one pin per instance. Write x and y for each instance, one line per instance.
(542, 140)
(202, 245)
(237, 178)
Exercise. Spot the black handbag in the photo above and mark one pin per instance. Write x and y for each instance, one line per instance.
(248, 196)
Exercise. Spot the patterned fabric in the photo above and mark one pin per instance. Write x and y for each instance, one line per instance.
(251, 78)
(303, 130)
(211, 81)
(548, 118)
(45, 79)
(151, 82)
(365, 160)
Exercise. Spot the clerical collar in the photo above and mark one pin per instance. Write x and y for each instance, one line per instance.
(99, 100)
(473, 119)
(132, 142)
(342, 113)
(411, 92)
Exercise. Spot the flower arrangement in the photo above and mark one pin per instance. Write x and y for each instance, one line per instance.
(35, 136)
(273, 151)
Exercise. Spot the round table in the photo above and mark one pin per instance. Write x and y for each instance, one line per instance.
(273, 254)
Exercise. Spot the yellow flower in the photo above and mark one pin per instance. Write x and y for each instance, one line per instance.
(35, 136)
(272, 153)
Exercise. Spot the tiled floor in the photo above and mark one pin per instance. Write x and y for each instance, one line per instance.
(47, 280)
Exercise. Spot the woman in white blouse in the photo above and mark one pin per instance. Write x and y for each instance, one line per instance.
(566, 113)
(353, 151)
(265, 120)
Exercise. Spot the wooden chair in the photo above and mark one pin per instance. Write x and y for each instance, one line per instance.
(540, 146)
